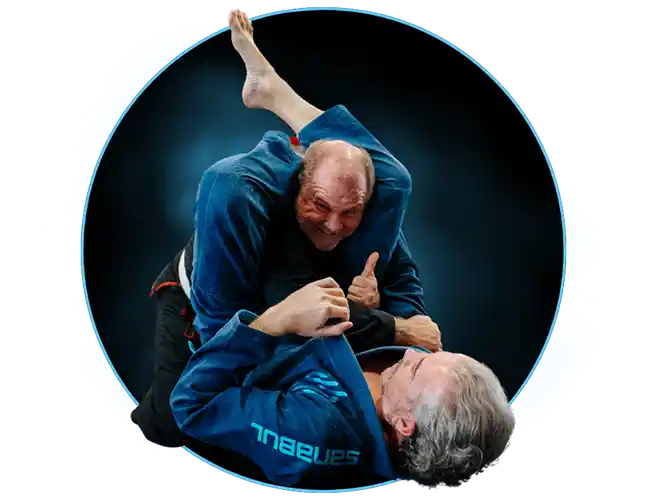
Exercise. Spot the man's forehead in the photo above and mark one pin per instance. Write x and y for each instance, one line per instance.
(335, 177)
(339, 198)
(437, 369)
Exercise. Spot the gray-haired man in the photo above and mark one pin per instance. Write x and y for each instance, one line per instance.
(285, 390)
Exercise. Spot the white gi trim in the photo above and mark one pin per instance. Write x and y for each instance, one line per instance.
(184, 279)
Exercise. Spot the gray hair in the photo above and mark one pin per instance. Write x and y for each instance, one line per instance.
(459, 432)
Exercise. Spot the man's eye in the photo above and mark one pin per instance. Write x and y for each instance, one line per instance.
(350, 213)
(321, 206)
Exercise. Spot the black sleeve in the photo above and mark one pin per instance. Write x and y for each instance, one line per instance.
(371, 328)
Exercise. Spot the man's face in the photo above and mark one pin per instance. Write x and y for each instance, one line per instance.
(416, 372)
(331, 203)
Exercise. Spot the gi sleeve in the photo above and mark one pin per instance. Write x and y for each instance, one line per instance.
(371, 328)
(231, 221)
(385, 211)
(284, 432)
(401, 292)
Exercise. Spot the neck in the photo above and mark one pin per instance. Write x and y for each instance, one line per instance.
(375, 387)
(372, 368)
(373, 380)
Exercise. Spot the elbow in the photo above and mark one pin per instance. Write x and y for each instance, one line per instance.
(190, 420)
(397, 185)
(402, 180)
(183, 409)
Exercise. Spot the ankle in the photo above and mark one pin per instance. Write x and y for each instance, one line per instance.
(258, 91)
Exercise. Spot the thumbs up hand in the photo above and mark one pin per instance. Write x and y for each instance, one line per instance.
(363, 289)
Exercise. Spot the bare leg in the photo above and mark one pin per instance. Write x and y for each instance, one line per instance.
(264, 88)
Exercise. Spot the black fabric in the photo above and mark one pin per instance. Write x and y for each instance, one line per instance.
(371, 328)
(290, 260)
(171, 353)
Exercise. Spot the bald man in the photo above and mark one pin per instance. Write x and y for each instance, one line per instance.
(327, 201)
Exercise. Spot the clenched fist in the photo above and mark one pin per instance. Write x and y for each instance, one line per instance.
(363, 289)
(307, 311)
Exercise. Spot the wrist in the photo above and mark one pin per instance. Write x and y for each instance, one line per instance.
(402, 336)
(270, 323)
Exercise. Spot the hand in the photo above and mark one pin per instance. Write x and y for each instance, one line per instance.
(418, 331)
(306, 312)
(363, 289)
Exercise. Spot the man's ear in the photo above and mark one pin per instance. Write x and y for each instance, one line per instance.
(404, 425)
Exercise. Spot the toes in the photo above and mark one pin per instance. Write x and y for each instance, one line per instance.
(233, 19)
(239, 20)
(229, 15)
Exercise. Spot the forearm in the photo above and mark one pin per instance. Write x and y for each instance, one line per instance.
(405, 304)
(402, 294)
(270, 323)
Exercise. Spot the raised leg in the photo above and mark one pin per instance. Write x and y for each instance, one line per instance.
(264, 88)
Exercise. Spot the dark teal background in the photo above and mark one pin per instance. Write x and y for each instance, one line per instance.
(484, 222)
(575, 72)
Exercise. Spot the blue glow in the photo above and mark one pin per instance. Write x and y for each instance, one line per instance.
(586, 410)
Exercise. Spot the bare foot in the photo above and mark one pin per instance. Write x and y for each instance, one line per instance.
(261, 77)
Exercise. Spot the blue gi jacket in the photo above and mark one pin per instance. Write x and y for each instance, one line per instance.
(239, 196)
(299, 408)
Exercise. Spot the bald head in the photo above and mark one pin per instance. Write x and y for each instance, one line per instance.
(336, 182)
(341, 161)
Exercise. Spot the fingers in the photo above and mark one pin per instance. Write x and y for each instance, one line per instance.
(337, 300)
(326, 283)
(355, 298)
(369, 267)
(338, 312)
(334, 292)
(334, 330)
(355, 291)
(362, 282)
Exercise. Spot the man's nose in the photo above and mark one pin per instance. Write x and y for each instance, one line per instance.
(333, 224)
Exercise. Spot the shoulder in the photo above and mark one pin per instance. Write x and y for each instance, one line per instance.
(227, 187)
